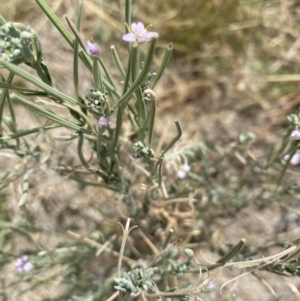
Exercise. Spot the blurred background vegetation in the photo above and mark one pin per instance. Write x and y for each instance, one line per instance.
(234, 68)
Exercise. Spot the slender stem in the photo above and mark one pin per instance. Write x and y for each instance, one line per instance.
(167, 239)
(17, 88)
(55, 21)
(126, 232)
(28, 132)
(13, 117)
(75, 56)
(61, 28)
(140, 105)
(99, 144)
(107, 73)
(152, 117)
(32, 79)
(127, 13)
(2, 20)
(134, 62)
(117, 61)
(97, 75)
(140, 78)
(121, 108)
(118, 128)
(175, 139)
(75, 30)
(159, 171)
(163, 64)
(84, 162)
(50, 115)
(3, 97)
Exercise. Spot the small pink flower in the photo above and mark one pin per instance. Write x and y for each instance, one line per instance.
(22, 264)
(103, 121)
(295, 159)
(296, 133)
(208, 288)
(139, 34)
(183, 170)
(92, 48)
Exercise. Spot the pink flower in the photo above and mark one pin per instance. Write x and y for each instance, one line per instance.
(209, 287)
(296, 133)
(183, 170)
(103, 121)
(92, 48)
(295, 159)
(139, 34)
(22, 264)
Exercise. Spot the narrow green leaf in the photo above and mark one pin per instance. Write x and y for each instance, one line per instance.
(117, 61)
(55, 21)
(140, 78)
(28, 132)
(233, 252)
(163, 64)
(50, 115)
(3, 96)
(28, 77)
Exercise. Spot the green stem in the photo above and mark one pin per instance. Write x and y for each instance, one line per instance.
(175, 139)
(3, 97)
(84, 162)
(55, 21)
(128, 13)
(32, 79)
(50, 115)
(140, 78)
(117, 61)
(97, 75)
(121, 108)
(2, 20)
(13, 117)
(107, 73)
(134, 62)
(28, 132)
(61, 28)
(152, 114)
(99, 144)
(163, 64)
(75, 30)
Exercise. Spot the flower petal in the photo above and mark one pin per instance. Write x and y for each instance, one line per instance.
(181, 174)
(296, 134)
(19, 270)
(134, 26)
(18, 262)
(92, 48)
(295, 159)
(185, 167)
(129, 37)
(27, 266)
(148, 36)
(24, 258)
(103, 121)
(140, 28)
